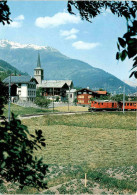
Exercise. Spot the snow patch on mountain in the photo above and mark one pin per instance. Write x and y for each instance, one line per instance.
(15, 45)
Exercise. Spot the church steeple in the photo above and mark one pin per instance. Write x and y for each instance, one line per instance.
(38, 71)
(38, 62)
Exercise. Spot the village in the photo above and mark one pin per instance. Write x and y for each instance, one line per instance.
(23, 89)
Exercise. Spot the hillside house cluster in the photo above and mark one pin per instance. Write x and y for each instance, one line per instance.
(24, 88)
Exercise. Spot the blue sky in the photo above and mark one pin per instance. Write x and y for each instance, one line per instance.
(47, 23)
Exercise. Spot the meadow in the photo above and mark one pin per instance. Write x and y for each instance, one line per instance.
(19, 110)
(101, 144)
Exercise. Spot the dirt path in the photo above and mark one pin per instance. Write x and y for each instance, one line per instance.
(54, 113)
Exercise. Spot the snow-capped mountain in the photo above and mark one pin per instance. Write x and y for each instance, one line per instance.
(15, 45)
(58, 66)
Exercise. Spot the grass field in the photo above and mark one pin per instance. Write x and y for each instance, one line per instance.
(71, 109)
(19, 110)
(101, 144)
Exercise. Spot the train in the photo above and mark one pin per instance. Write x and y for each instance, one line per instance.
(107, 105)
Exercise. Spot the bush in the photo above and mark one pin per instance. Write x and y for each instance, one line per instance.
(39, 92)
(42, 102)
(17, 162)
(57, 99)
(17, 145)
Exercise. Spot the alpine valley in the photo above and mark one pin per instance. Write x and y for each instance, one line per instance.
(58, 66)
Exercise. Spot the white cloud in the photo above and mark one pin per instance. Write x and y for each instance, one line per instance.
(69, 34)
(84, 45)
(20, 17)
(71, 37)
(57, 20)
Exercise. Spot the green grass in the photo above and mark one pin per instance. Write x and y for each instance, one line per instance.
(99, 140)
(112, 120)
(19, 110)
(101, 144)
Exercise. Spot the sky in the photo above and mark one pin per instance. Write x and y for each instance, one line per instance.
(47, 23)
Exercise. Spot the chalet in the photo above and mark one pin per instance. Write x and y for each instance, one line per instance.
(84, 95)
(52, 88)
(22, 87)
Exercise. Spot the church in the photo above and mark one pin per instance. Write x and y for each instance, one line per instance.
(52, 88)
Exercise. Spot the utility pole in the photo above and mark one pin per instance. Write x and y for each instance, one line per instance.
(53, 99)
(9, 98)
(123, 99)
(68, 98)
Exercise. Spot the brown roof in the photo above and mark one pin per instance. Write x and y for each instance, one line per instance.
(102, 92)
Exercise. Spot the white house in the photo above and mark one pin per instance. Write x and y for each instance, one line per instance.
(22, 87)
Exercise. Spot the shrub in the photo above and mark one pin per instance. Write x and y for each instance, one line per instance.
(42, 102)
(17, 145)
(17, 162)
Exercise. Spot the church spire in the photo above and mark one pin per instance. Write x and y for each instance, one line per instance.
(38, 62)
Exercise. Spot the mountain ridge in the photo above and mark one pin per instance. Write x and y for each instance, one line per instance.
(57, 66)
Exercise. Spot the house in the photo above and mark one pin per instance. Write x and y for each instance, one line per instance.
(22, 87)
(84, 96)
(51, 88)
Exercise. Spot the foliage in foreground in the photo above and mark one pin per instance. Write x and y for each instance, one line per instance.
(17, 146)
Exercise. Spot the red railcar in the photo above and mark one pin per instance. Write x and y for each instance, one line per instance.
(99, 105)
(129, 105)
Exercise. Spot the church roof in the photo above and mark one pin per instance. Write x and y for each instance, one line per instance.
(38, 62)
(19, 79)
(55, 83)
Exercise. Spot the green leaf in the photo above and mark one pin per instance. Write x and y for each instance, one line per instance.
(123, 55)
(117, 56)
(122, 42)
(118, 47)
(3, 165)
(43, 144)
(132, 74)
(5, 154)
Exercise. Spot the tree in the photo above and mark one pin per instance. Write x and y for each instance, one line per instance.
(42, 102)
(4, 13)
(119, 97)
(3, 96)
(17, 145)
(39, 92)
(128, 44)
